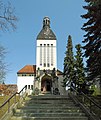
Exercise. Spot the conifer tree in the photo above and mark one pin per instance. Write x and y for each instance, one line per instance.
(68, 63)
(79, 67)
(93, 39)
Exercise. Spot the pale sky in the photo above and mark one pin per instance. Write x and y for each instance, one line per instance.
(21, 44)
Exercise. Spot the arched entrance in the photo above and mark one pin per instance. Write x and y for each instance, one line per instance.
(46, 83)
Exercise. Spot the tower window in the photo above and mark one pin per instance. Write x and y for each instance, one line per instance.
(44, 58)
(44, 64)
(51, 54)
(31, 87)
(28, 86)
(48, 65)
(40, 54)
(48, 55)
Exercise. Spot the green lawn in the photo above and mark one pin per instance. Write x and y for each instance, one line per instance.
(3, 99)
(5, 108)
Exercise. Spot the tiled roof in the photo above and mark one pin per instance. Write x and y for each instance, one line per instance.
(28, 69)
(8, 89)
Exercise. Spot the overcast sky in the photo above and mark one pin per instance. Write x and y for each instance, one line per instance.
(21, 44)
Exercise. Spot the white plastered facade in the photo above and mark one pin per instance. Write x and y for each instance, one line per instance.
(46, 53)
(25, 80)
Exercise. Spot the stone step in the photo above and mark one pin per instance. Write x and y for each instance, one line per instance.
(49, 118)
(48, 102)
(50, 114)
(49, 98)
(52, 110)
(31, 102)
(47, 110)
(40, 100)
(50, 107)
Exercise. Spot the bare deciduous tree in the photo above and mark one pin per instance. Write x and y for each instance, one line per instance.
(7, 22)
(7, 17)
(2, 64)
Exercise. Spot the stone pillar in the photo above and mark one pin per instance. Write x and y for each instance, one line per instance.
(39, 85)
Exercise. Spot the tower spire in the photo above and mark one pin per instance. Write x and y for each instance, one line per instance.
(46, 33)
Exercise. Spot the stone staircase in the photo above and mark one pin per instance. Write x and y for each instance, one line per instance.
(49, 107)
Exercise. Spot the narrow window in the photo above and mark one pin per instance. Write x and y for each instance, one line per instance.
(44, 64)
(44, 55)
(31, 87)
(28, 86)
(48, 56)
(40, 54)
(51, 54)
(48, 65)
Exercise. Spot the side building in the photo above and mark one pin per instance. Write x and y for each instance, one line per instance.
(26, 76)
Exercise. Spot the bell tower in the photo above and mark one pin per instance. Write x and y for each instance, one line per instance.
(46, 54)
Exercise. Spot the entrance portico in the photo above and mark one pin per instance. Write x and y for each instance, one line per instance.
(46, 83)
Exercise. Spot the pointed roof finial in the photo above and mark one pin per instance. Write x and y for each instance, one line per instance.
(46, 22)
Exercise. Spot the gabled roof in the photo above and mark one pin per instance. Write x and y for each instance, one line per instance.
(28, 69)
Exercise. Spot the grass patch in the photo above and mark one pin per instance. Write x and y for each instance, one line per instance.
(4, 109)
